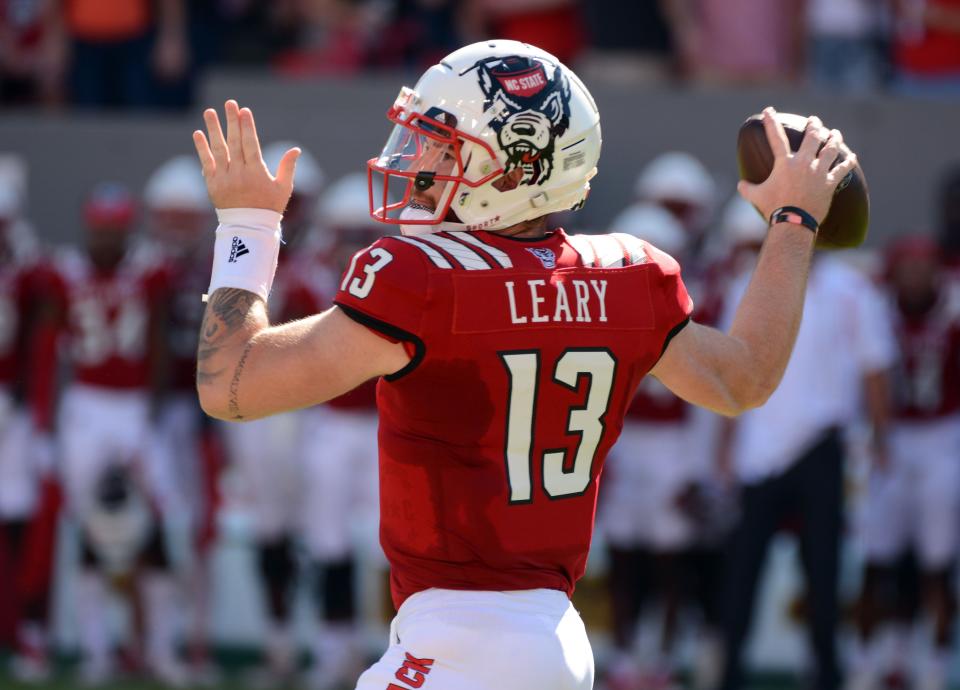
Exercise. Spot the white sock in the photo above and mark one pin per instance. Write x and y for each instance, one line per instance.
(92, 601)
(162, 605)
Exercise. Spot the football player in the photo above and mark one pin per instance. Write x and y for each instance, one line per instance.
(183, 455)
(29, 497)
(340, 462)
(913, 499)
(507, 351)
(113, 299)
(266, 454)
(639, 515)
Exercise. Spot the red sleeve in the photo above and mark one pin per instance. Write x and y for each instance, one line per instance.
(672, 304)
(387, 283)
(48, 300)
(385, 288)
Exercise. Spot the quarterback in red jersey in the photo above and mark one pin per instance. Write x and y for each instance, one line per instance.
(508, 352)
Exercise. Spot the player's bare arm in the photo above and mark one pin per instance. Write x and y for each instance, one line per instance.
(247, 368)
(733, 372)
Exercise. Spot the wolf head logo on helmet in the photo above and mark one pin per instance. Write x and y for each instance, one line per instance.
(532, 99)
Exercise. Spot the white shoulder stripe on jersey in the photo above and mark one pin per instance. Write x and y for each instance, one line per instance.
(633, 246)
(499, 256)
(609, 251)
(584, 248)
(468, 258)
(435, 256)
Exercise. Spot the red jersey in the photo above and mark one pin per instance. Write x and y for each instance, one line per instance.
(108, 315)
(525, 357)
(188, 282)
(654, 402)
(27, 336)
(927, 378)
(15, 297)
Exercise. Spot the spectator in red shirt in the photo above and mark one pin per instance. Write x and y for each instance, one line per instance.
(926, 49)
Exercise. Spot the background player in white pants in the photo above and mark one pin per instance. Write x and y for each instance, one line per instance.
(640, 515)
(28, 493)
(339, 450)
(112, 299)
(177, 209)
(265, 453)
(913, 493)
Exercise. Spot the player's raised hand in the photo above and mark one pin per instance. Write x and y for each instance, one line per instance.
(802, 178)
(233, 167)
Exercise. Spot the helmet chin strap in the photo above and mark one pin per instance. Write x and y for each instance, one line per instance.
(413, 212)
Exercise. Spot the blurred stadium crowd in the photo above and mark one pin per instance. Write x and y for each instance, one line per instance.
(103, 445)
(149, 54)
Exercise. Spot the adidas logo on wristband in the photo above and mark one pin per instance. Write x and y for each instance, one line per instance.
(237, 249)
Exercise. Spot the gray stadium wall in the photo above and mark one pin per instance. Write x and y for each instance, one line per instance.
(904, 146)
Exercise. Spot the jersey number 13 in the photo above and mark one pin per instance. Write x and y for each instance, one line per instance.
(523, 370)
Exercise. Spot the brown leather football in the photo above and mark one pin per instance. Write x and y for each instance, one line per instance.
(846, 222)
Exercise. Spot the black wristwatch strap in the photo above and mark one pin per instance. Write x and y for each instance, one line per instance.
(795, 215)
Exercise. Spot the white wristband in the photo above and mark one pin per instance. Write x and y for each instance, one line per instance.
(246, 249)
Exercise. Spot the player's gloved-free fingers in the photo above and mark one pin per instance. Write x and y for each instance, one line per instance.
(828, 154)
(776, 137)
(217, 143)
(748, 191)
(248, 137)
(813, 136)
(207, 162)
(234, 146)
(286, 167)
(843, 169)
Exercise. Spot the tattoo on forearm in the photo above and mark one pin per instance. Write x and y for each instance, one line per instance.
(226, 312)
(233, 403)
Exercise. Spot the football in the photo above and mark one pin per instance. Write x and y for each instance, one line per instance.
(846, 223)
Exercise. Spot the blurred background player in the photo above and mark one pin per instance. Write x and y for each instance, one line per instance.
(340, 463)
(787, 457)
(913, 495)
(679, 183)
(29, 495)
(113, 301)
(266, 453)
(186, 454)
(644, 528)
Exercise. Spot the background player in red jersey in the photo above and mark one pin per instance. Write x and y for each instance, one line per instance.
(914, 501)
(339, 454)
(508, 352)
(184, 449)
(266, 454)
(639, 513)
(112, 299)
(29, 497)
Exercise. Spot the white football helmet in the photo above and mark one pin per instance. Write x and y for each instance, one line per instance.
(741, 223)
(497, 133)
(654, 224)
(346, 204)
(676, 176)
(177, 185)
(308, 177)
